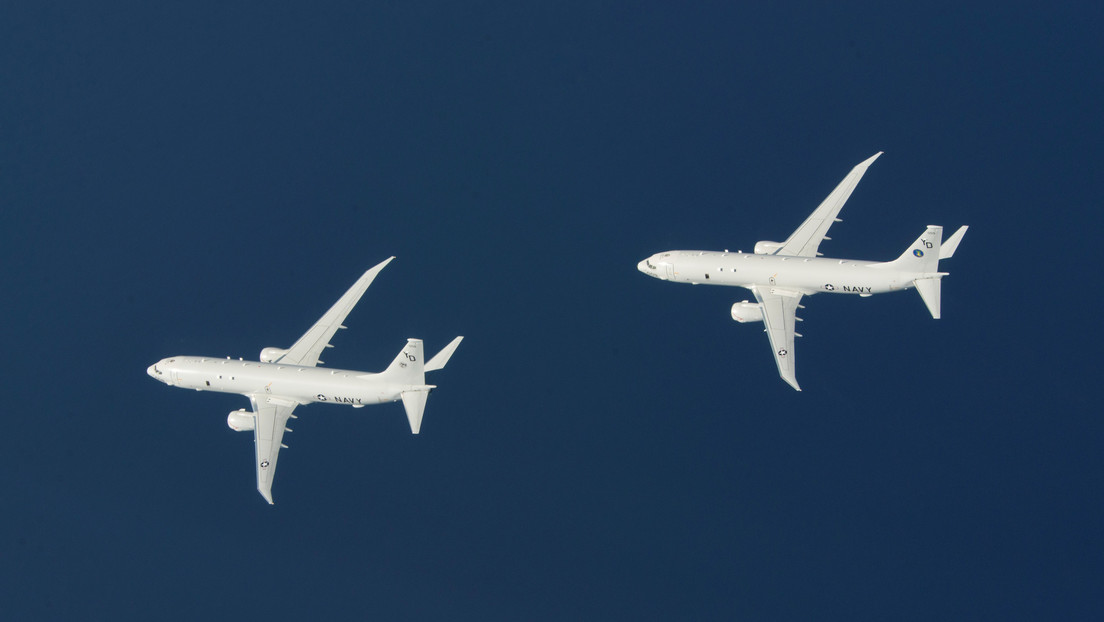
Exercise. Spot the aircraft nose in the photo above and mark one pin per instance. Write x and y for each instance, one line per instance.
(649, 267)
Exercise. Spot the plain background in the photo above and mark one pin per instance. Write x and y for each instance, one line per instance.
(207, 177)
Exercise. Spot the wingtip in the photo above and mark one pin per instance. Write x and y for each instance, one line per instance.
(376, 269)
(870, 160)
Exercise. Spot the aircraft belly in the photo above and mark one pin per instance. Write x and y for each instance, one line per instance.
(301, 384)
(834, 277)
(338, 388)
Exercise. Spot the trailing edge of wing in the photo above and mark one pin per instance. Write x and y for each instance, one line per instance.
(308, 348)
(805, 240)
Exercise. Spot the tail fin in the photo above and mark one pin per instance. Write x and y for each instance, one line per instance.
(408, 367)
(923, 255)
(922, 258)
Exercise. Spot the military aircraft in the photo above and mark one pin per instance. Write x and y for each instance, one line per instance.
(779, 274)
(283, 379)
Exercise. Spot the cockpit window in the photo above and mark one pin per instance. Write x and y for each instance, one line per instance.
(649, 264)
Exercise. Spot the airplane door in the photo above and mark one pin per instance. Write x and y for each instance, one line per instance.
(670, 270)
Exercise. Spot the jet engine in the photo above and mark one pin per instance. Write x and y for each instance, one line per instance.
(241, 420)
(269, 355)
(745, 311)
(764, 247)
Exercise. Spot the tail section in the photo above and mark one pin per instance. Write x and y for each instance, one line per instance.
(923, 255)
(929, 290)
(409, 369)
(922, 259)
(946, 251)
(440, 359)
(414, 403)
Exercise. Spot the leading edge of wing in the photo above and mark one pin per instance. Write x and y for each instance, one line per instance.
(805, 240)
(309, 347)
(779, 317)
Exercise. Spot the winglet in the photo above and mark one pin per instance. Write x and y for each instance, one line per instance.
(441, 358)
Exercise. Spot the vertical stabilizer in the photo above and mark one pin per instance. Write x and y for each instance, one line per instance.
(930, 290)
(923, 255)
(408, 367)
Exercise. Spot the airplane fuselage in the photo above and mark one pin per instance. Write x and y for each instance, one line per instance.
(291, 382)
(808, 275)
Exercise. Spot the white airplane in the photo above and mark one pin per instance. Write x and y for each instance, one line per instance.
(779, 274)
(283, 379)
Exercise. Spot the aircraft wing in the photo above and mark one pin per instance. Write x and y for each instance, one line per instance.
(306, 351)
(804, 241)
(779, 316)
(271, 415)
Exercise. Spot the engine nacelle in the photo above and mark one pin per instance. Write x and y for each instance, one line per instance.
(745, 311)
(241, 420)
(270, 355)
(764, 247)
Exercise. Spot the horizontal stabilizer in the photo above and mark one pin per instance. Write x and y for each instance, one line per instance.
(929, 290)
(414, 402)
(947, 249)
(442, 357)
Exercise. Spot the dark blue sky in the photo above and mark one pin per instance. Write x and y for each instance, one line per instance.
(207, 177)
